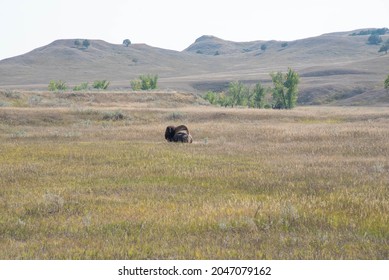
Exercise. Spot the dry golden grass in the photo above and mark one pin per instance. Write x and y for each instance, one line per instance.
(310, 183)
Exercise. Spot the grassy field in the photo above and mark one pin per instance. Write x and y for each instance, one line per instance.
(90, 176)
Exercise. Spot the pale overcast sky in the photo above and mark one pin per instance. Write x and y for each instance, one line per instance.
(175, 24)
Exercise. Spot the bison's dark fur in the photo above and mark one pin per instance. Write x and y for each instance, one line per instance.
(178, 134)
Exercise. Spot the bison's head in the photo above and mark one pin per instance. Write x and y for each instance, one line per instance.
(169, 133)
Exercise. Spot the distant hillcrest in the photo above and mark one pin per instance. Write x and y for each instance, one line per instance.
(211, 45)
(334, 68)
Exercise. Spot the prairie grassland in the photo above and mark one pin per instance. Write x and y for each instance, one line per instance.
(76, 182)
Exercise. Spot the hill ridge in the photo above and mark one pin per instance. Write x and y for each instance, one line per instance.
(332, 66)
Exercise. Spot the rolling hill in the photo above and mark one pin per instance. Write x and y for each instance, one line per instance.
(335, 68)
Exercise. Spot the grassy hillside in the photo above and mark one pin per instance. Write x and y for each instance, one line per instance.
(76, 183)
(334, 67)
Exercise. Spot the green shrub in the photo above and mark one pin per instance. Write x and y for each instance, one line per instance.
(126, 42)
(386, 83)
(145, 82)
(384, 47)
(57, 85)
(148, 81)
(86, 43)
(103, 84)
(238, 93)
(257, 97)
(136, 85)
(82, 86)
(211, 97)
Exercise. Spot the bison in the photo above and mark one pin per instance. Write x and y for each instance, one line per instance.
(178, 134)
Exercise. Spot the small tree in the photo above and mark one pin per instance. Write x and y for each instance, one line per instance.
(238, 93)
(279, 100)
(258, 96)
(77, 43)
(154, 80)
(86, 44)
(374, 39)
(145, 82)
(384, 47)
(52, 86)
(126, 42)
(225, 100)
(212, 97)
(285, 91)
(292, 80)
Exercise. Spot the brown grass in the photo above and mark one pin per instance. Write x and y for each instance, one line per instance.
(310, 183)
